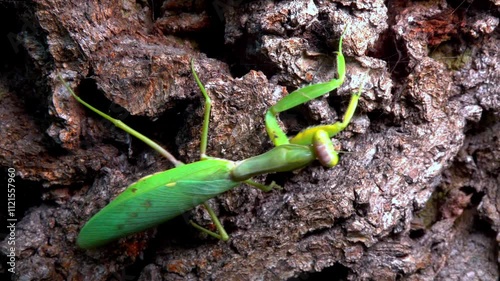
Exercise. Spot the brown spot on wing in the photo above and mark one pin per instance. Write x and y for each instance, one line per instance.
(147, 203)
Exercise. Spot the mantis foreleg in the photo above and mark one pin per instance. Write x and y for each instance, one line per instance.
(318, 136)
(301, 96)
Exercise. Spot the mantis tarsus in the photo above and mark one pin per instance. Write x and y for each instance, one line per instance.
(164, 195)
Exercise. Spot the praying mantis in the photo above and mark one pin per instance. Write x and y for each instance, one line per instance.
(162, 196)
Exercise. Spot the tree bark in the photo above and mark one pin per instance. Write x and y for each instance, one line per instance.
(415, 196)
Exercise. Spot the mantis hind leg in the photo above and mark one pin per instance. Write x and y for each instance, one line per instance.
(124, 127)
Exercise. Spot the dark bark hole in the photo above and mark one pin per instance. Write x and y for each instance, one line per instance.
(245, 55)
(295, 120)
(417, 233)
(362, 209)
(470, 5)
(485, 227)
(336, 272)
(27, 193)
(392, 50)
(476, 197)
(381, 120)
(175, 231)
(278, 178)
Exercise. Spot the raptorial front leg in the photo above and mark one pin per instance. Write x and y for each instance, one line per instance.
(301, 96)
(306, 136)
(320, 136)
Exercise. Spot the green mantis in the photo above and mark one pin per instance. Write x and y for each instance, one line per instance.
(164, 195)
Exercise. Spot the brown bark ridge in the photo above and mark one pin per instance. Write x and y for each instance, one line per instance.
(415, 196)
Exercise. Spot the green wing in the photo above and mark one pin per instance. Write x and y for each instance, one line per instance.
(157, 198)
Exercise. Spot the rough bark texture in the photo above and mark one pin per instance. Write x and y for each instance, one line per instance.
(414, 198)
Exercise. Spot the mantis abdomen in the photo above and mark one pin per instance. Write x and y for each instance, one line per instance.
(158, 198)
